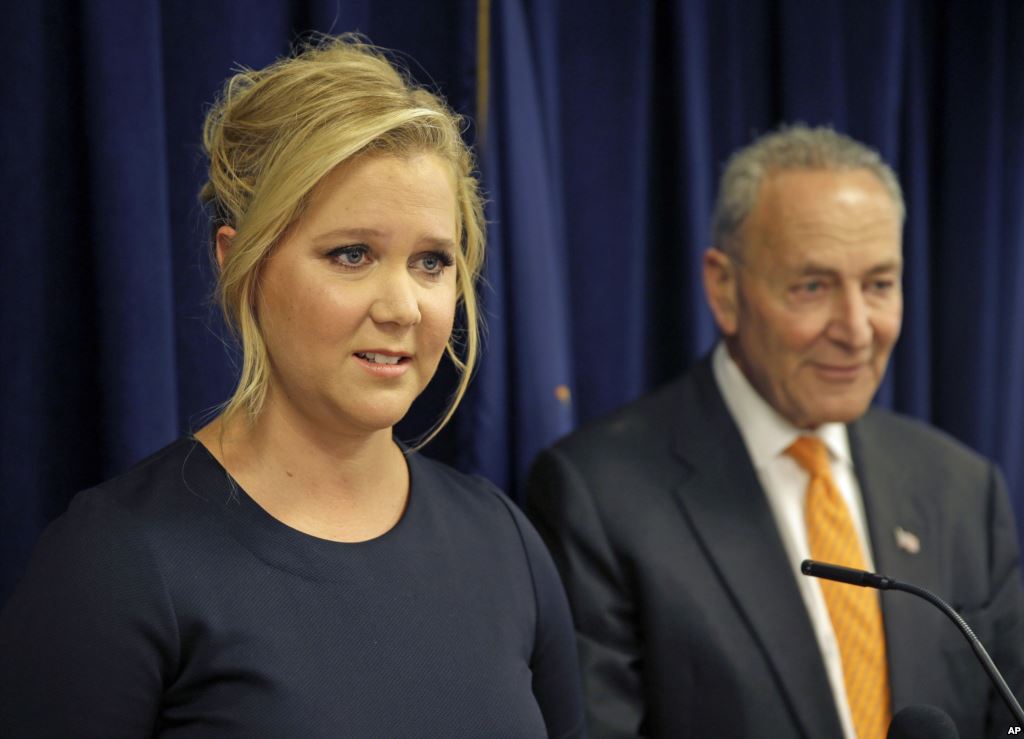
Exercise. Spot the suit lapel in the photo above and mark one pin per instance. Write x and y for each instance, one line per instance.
(900, 521)
(729, 513)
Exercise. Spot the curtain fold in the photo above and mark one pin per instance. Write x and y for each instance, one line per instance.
(609, 123)
(128, 208)
(522, 401)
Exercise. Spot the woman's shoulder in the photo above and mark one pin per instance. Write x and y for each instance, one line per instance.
(156, 500)
(182, 469)
(447, 486)
(124, 547)
(92, 600)
(475, 501)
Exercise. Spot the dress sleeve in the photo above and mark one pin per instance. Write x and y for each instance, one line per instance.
(88, 638)
(554, 661)
(561, 505)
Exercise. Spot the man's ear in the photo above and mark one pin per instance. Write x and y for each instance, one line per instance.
(721, 289)
(225, 236)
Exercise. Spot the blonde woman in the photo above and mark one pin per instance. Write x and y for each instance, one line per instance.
(290, 570)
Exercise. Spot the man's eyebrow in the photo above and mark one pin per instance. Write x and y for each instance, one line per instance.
(890, 265)
(816, 269)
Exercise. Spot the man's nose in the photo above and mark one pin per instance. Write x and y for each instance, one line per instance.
(850, 323)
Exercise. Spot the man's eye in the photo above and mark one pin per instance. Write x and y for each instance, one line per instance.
(350, 256)
(810, 287)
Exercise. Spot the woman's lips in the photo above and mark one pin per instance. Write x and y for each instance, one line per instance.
(383, 364)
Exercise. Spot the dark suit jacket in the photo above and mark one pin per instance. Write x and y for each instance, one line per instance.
(686, 607)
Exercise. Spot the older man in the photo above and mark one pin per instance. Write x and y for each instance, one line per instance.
(679, 522)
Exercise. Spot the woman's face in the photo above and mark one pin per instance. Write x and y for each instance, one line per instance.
(357, 301)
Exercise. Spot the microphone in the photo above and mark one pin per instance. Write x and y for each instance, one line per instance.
(871, 580)
(922, 722)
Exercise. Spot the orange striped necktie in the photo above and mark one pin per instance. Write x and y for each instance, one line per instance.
(855, 612)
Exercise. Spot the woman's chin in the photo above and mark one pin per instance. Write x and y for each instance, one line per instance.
(375, 419)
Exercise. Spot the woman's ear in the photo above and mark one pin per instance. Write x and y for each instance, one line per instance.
(225, 236)
(720, 287)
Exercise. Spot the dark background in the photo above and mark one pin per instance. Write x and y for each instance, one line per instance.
(606, 127)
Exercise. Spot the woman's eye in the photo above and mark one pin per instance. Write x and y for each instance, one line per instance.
(435, 262)
(350, 256)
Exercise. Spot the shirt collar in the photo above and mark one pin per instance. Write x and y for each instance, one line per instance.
(765, 432)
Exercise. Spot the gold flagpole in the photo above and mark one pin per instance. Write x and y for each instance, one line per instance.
(483, 67)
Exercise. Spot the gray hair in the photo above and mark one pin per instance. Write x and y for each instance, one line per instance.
(790, 147)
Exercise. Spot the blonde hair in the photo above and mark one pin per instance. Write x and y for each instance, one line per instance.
(276, 132)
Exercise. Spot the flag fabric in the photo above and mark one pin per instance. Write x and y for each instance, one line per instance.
(522, 396)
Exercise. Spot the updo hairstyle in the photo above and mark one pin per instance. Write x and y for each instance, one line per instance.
(276, 132)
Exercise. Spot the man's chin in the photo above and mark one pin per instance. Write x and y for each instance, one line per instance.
(833, 411)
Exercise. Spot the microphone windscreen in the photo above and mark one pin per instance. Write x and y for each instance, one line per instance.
(919, 722)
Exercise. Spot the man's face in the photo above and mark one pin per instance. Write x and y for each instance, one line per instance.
(813, 297)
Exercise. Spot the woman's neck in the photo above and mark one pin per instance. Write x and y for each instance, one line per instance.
(338, 486)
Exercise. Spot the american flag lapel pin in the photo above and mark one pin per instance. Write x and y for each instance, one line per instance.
(907, 540)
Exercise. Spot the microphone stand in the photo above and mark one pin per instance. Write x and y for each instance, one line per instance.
(881, 582)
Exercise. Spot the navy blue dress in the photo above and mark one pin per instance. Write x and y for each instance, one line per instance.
(166, 602)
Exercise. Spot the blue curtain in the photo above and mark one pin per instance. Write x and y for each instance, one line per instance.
(522, 401)
(606, 126)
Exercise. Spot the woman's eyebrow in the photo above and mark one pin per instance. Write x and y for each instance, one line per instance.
(349, 233)
(358, 233)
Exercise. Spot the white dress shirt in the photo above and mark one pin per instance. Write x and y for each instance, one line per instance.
(767, 435)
